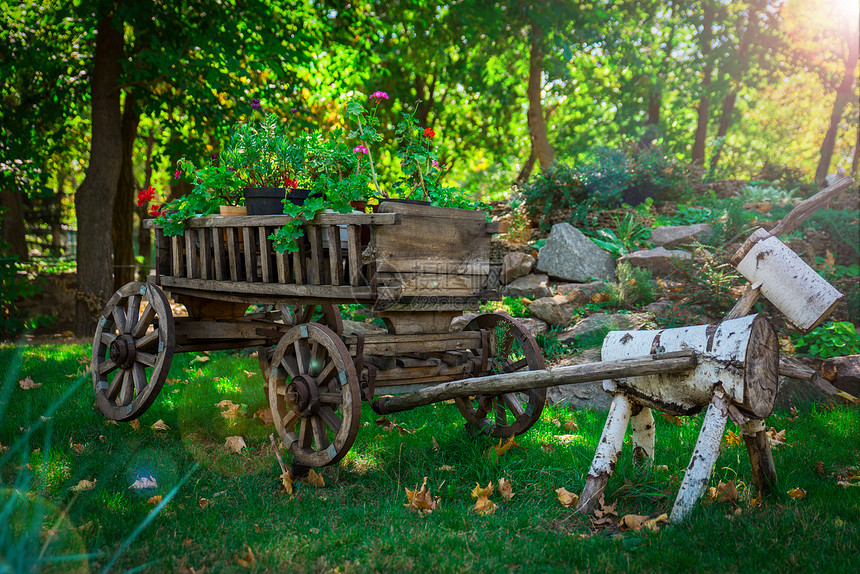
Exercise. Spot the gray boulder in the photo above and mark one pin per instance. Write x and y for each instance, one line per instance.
(581, 395)
(673, 235)
(530, 286)
(558, 310)
(590, 289)
(659, 260)
(602, 323)
(516, 265)
(570, 255)
(359, 327)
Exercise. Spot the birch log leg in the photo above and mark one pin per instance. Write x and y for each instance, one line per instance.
(761, 457)
(642, 435)
(704, 457)
(607, 453)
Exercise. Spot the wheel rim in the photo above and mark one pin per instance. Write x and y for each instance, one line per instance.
(315, 398)
(294, 315)
(512, 348)
(132, 350)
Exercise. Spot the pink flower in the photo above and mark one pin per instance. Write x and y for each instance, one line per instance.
(177, 173)
(435, 163)
(379, 95)
(360, 148)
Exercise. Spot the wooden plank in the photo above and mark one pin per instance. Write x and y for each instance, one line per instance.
(205, 256)
(436, 265)
(176, 243)
(162, 254)
(399, 375)
(283, 266)
(233, 253)
(435, 285)
(191, 254)
(344, 293)
(224, 330)
(299, 263)
(353, 254)
(335, 255)
(448, 213)
(265, 256)
(218, 245)
(279, 220)
(250, 261)
(397, 345)
(317, 272)
(498, 227)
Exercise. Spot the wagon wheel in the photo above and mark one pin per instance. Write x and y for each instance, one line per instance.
(132, 350)
(512, 348)
(296, 314)
(315, 399)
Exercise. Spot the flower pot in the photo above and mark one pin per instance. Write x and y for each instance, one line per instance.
(232, 210)
(298, 195)
(404, 200)
(359, 205)
(264, 200)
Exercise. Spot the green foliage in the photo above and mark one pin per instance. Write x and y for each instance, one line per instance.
(757, 191)
(513, 306)
(557, 187)
(631, 235)
(634, 287)
(686, 215)
(13, 321)
(834, 339)
(840, 224)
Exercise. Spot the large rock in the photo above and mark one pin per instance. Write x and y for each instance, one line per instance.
(516, 265)
(589, 289)
(673, 235)
(530, 286)
(602, 323)
(570, 255)
(659, 260)
(847, 374)
(558, 310)
(581, 395)
(361, 328)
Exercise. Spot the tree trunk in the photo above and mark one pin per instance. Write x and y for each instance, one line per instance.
(528, 166)
(723, 129)
(844, 95)
(95, 197)
(652, 123)
(13, 230)
(144, 236)
(537, 123)
(856, 158)
(124, 263)
(704, 108)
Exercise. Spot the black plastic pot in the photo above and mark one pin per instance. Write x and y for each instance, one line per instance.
(264, 200)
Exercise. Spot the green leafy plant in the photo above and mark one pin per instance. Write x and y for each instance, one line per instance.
(761, 192)
(833, 339)
(513, 306)
(634, 286)
(630, 236)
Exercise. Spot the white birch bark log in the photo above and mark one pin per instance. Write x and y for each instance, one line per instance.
(607, 453)
(642, 435)
(801, 294)
(741, 354)
(704, 457)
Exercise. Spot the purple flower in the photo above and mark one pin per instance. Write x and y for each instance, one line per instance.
(214, 155)
(379, 95)
(294, 110)
(435, 163)
(255, 104)
(360, 148)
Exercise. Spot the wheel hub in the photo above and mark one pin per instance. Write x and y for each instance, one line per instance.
(123, 351)
(303, 395)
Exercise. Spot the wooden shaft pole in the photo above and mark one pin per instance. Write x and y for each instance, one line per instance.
(806, 208)
(761, 457)
(642, 435)
(510, 382)
(704, 457)
(608, 449)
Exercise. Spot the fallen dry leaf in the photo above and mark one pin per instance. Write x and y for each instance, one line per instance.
(483, 505)
(776, 439)
(505, 489)
(229, 409)
(159, 425)
(234, 444)
(84, 485)
(420, 499)
(565, 438)
(144, 483)
(603, 514)
(200, 359)
(797, 493)
(154, 499)
(249, 374)
(503, 447)
(732, 439)
(287, 481)
(566, 498)
(571, 425)
(247, 560)
(600, 297)
(135, 424)
(446, 467)
(654, 522)
(204, 503)
(819, 467)
(27, 383)
(723, 492)
(632, 522)
(265, 416)
(315, 479)
(390, 426)
(673, 419)
(756, 502)
(547, 448)
(661, 467)
(434, 443)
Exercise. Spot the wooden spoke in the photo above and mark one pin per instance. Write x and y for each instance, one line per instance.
(147, 340)
(290, 419)
(305, 434)
(513, 403)
(301, 354)
(320, 433)
(132, 312)
(513, 367)
(139, 374)
(107, 367)
(144, 321)
(119, 319)
(290, 365)
(127, 393)
(107, 338)
(115, 385)
(331, 398)
(330, 417)
(146, 359)
(326, 374)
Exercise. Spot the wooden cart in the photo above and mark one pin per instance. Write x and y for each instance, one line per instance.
(414, 266)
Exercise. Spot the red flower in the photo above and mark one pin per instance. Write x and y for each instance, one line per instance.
(177, 173)
(428, 132)
(291, 183)
(145, 195)
(155, 210)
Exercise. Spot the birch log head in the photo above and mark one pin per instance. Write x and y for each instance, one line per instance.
(801, 294)
(741, 354)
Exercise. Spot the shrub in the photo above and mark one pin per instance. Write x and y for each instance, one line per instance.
(634, 286)
(829, 340)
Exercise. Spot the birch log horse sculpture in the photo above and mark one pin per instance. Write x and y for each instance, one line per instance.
(738, 372)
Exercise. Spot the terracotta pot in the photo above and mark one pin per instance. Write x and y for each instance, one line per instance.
(233, 210)
(359, 205)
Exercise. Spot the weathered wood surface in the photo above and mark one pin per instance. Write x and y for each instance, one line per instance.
(745, 359)
(761, 457)
(520, 381)
(279, 220)
(345, 293)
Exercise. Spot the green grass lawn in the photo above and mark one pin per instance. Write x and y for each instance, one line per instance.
(218, 506)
